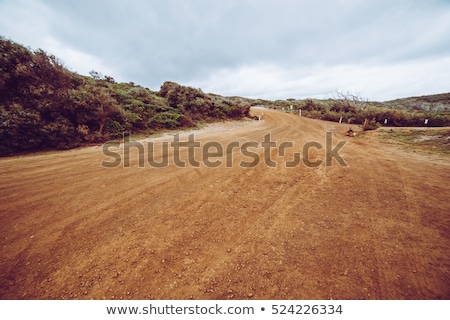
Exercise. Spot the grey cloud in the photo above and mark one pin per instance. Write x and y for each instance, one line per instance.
(149, 42)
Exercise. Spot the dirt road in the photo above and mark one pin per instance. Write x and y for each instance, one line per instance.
(378, 228)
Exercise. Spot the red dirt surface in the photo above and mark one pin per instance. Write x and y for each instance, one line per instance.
(376, 229)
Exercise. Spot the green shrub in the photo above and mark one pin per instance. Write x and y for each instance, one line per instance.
(165, 120)
(114, 129)
(370, 125)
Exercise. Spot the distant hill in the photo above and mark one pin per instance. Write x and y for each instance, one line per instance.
(435, 102)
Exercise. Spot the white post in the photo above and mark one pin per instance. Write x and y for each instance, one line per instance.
(300, 112)
(426, 121)
(340, 120)
(385, 121)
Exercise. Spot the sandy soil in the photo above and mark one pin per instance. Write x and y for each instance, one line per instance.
(378, 228)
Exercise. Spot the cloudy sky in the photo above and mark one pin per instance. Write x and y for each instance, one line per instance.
(281, 49)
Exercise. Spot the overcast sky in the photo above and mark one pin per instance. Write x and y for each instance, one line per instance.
(262, 49)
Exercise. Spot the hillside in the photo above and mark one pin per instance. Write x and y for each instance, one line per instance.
(435, 102)
(43, 105)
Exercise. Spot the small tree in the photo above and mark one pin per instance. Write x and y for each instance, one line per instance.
(109, 79)
(356, 104)
(96, 75)
(351, 100)
(106, 108)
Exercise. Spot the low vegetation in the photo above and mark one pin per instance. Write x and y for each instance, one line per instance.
(429, 140)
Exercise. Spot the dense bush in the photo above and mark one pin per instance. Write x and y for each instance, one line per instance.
(196, 105)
